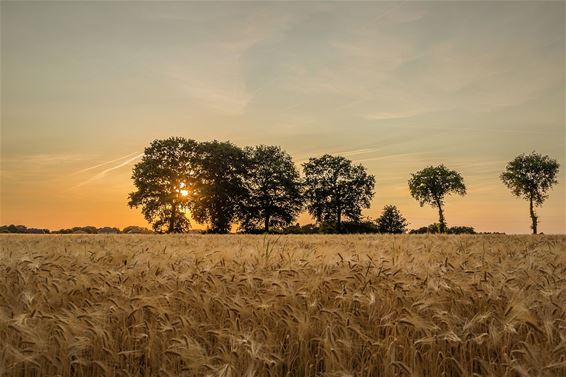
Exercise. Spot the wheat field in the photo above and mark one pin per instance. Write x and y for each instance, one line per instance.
(192, 305)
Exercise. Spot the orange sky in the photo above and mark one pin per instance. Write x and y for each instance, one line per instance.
(395, 86)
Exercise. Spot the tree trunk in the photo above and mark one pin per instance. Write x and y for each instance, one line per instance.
(338, 221)
(172, 219)
(534, 217)
(441, 220)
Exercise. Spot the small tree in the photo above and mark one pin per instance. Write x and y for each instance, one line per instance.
(274, 189)
(336, 188)
(220, 187)
(432, 184)
(531, 177)
(164, 181)
(391, 221)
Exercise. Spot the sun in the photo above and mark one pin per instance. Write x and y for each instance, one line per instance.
(182, 190)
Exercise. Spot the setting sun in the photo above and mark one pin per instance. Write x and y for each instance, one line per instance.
(182, 190)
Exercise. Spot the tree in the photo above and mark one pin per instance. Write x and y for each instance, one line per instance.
(531, 177)
(164, 179)
(432, 184)
(274, 189)
(220, 184)
(391, 221)
(334, 187)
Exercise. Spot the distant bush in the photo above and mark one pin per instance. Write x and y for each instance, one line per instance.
(22, 229)
(434, 228)
(252, 231)
(365, 226)
(347, 227)
(133, 229)
(78, 230)
(461, 230)
(108, 230)
(301, 229)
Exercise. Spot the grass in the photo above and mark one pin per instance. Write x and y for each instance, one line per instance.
(290, 306)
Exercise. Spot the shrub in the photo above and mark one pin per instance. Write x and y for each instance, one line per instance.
(133, 229)
(433, 228)
(391, 221)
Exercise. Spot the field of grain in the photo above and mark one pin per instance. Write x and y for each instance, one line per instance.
(192, 305)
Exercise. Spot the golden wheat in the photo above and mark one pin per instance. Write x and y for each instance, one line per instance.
(188, 305)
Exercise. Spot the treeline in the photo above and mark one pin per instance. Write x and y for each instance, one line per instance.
(260, 190)
(22, 229)
(366, 226)
(434, 228)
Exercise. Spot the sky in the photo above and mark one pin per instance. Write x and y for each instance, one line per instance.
(395, 86)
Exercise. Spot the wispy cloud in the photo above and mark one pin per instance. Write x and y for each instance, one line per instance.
(42, 166)
(355, 152)
(212, 74)
(391, 70)
(104, 163)
(46, 158)
(108, 170)
(388, 156)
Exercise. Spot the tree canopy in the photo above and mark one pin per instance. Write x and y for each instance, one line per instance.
(432, 184)
(391, 221)
(336, 188)
(164, 180)
(260, 189)
(274, 189)
(220, 184)
(531, 176)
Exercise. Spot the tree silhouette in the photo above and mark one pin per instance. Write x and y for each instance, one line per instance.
(432, 184)
(334, 187)
(164, 181)
(274, 189)
(391, 221)
(531, 177)
(220, 184)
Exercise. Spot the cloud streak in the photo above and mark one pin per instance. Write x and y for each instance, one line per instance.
(104, 163)
(108, 170)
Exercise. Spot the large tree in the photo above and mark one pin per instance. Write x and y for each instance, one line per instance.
(531, 177)
(220, 184)
(274, 189)
(164, 181)
(336, 188)
(391, 221)
(432, 184)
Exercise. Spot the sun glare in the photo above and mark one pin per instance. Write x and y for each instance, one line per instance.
(182, 190)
